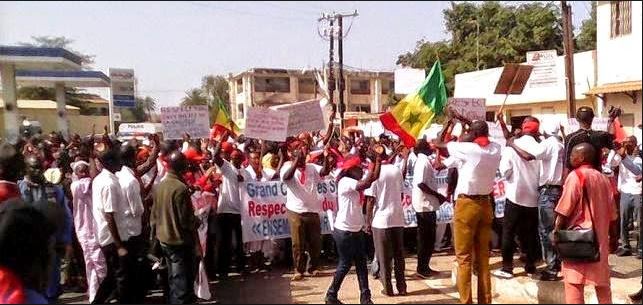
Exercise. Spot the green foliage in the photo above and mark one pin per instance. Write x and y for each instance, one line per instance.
(214, 90)
(507, 32)
(586, 39)
(142, 112)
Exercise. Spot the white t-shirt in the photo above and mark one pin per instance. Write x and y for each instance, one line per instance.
(229, 200)
(521, 177)
(477, 166)
(552, 157)
(250, 174)
(423, 172)
(387, 191)
(626, 179)
(107, 197)
(301, 198)
(133, 203)
(349, 209)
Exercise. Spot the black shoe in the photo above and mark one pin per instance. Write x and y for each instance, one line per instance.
(386, 293)
(635, 297)
(623, 252)
(531, 269)
(402, 292)
(330, 300)
(427, 274)
(548, 276)
(369, 301)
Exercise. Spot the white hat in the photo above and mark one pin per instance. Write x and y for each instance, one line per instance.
(53, 175)
(550, 127)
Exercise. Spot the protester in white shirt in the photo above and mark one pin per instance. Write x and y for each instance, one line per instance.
(348, 228)
(228, 219)
(303, 207)
(109, 212)
(426, 201)
(387, 223)
(629, 185)
(134, 210)
(521, 191)
(478, 162)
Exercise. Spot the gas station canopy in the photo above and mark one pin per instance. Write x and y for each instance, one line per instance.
(39, 58)
(49, 78)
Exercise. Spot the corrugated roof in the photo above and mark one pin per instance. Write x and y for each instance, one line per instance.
(615, 88)
(38, 104)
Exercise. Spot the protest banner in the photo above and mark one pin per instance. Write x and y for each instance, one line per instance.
(304, 116)
(193, 120)
(597, 124)
(470, 108)
(267, 124)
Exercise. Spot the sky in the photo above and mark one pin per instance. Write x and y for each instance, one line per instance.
(172, 45)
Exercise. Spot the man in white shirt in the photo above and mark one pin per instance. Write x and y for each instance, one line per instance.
(629, 185)
(228, 219)
(521, 192)
(300, 179)
(387, 225)
(426, 201)
(134, 210)
(109, 212)
(473, 215)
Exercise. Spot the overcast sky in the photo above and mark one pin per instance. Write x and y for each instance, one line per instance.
(171, 45)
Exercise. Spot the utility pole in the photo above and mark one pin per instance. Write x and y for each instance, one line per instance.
(341, 107)
(331, 74)
(568, 45)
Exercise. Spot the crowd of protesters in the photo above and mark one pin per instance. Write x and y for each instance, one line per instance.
(118, 218)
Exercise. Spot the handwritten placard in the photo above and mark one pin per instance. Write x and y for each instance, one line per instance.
(193, 120)
(470, 108)
(267, 124)
(304, 116)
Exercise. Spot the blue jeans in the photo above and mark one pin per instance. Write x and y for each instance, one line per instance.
(181, 272)
(629, 203)
(547, 201)
(351, 248)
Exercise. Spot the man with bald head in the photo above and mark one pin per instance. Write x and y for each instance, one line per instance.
(477, 160)
(586, 202)
(176, 230)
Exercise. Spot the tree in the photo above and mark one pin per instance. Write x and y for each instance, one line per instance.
(142, 112)
(586, 39)
(73, 96)
(507, 32)
(148, 104)
(193, 97)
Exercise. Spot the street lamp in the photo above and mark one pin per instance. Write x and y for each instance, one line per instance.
(477, 42)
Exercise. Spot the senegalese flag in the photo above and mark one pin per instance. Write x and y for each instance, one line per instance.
(222, 122)
(416, 111)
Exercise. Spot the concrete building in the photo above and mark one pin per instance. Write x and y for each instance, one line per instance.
(544, 102)
(366, 91)
(618, 57)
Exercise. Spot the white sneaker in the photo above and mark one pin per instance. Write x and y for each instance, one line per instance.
(502, 274)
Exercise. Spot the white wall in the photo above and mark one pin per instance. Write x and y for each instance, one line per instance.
(481, 84)
(618, 59)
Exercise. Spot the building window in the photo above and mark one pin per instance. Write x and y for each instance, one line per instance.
(621, 18)
(240, 85)
(388, 86)
(360, 87)
(307, 85)
(272, 84)
(362, 108)
(240, 114)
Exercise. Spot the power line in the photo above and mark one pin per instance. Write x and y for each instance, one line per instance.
(245, 12)
(300, 9)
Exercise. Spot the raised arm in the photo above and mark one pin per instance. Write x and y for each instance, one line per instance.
(503, 125)
(151, 159)
(371, 177)
(523, 154)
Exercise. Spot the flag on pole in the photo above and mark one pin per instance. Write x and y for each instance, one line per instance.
(417, 110)
(223, 122)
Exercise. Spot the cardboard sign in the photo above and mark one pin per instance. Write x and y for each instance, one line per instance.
(267, 124)
(470, 108)
(597, 124)
(513, 79)
(193, 120)
(304, 117)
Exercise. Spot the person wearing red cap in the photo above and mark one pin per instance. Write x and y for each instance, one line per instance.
(349, 226)
(228, 217)
(521, 189)
(300, 179)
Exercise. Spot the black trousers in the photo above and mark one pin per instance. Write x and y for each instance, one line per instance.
(523, 222)
(390, 256)
(116, 282)
(227, 225)
(141, 271)
(426, 239)
(181, 272)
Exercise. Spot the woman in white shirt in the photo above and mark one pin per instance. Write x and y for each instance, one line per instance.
(348, 227)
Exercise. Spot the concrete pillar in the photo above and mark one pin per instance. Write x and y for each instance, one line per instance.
(294, 88)
(11, 124)
(376, 104)
(61, 110)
